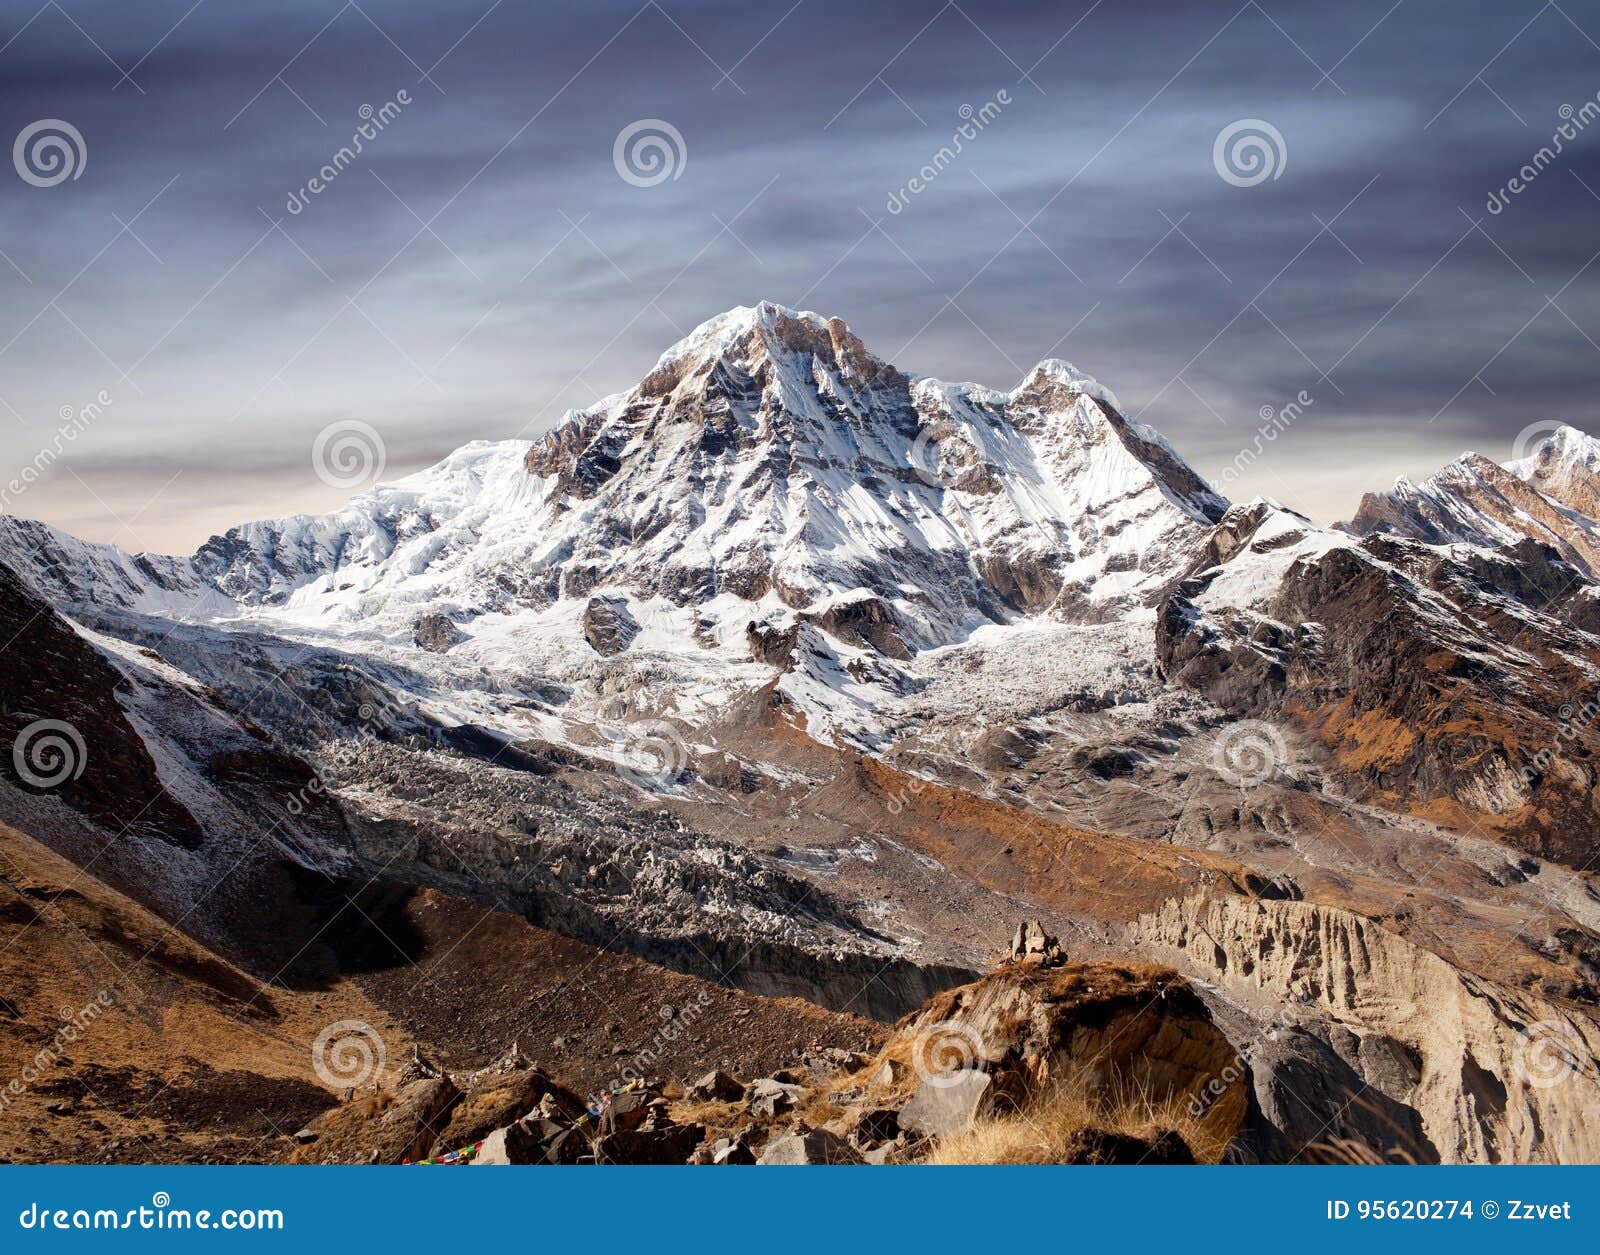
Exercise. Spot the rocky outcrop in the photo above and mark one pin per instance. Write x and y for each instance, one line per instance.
(1118, 1039)
(1437, 1065)
(659, 1141)
(64, 730)
(865, 622)
(437, 634)
(1031, 944)
(1115, 1030)
(382, 1127)
(504, 1094)
(773, 644)
(608, 626)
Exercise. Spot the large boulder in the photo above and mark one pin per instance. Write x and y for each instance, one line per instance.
(1106, 1030)
(872, 1126)
(533, 1142)
(732, 1152)
(714, 1086)
(947, 1104)
(1032, 943)
(769, 1098)
(383, 1128)
(498, 1098)
(437, 634)
(664, 1144)
(813, 1146)
(626, 1112)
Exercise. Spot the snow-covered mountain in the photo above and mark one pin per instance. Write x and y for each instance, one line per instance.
(770, 493)
(769, 456)
(773, 506)
(1565, 465)
(768, 465)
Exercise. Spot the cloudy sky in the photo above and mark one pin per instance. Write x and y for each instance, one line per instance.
(486, 263)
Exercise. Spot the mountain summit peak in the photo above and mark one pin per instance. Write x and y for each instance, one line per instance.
(746, 332)
(1565, 466)
(1055, 372)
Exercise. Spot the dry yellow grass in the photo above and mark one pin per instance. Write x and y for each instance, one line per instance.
(722, 1119)
(1047, 1131)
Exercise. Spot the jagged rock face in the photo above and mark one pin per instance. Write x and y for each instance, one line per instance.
(125, 763)
(865, 622)
(1474, 501)
(607, 625)
(67, 571)
(774, 646)
(498, 1097)
(1431, 677)
(1439, 1065)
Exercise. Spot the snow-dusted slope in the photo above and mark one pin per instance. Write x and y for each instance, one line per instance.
(1475, 501)
(769, 457)
(1565, 465)
(73, 572)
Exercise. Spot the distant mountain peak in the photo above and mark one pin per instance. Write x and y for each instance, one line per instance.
(1565, 466)
(1476, 501)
